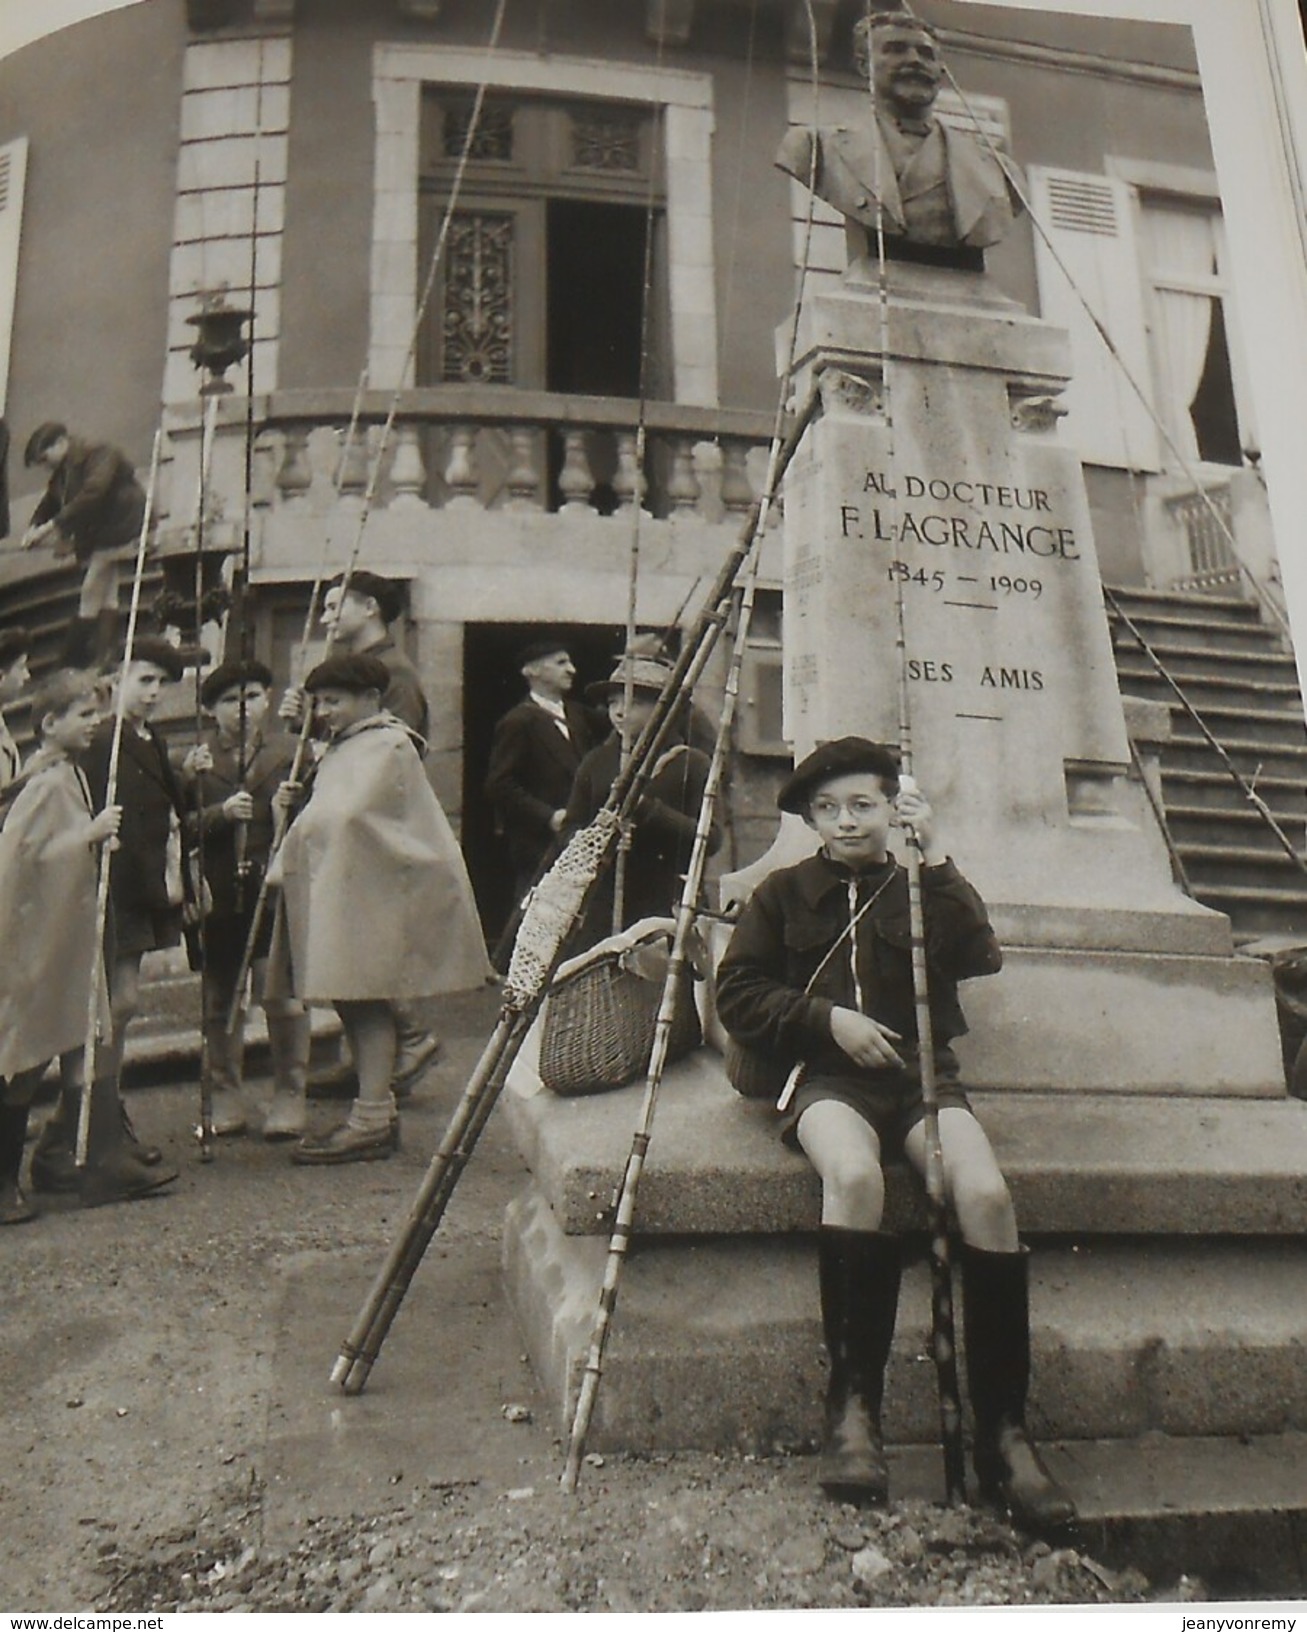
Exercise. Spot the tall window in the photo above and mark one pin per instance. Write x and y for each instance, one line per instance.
(1197, 364)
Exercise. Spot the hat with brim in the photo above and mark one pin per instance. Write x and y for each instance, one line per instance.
(14, 643)
(351, 671)
(541, 646)
(164, 655)
(846, 756)
(372, 586)
(43, 437)
(227, 675)
(647, 676)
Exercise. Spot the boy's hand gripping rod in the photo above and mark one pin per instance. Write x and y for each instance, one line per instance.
(552, 913)
(93, 1006)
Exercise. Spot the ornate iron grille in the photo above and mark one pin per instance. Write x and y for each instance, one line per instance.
(477, 321)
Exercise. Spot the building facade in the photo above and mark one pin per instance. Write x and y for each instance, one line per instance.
(611, 284)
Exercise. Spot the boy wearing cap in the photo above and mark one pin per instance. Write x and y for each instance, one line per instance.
(818, 975)
(14, 676)
(93, 507)
(534, 755)
(666, 816)
(375, 908)
(145, 892)
(49, 866)
(230, 779)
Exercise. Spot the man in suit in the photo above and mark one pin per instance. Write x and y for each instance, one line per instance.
(534, 754)
(939, 192)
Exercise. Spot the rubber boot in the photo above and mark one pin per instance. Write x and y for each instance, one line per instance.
(114, 1170)
(859, 1274)
(54, 1162)
(14, 1205)
(223, 1053)
(79, 644)
(996, 1329)
(288, 1040)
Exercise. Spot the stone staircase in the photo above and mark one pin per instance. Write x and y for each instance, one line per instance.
(1242, 681)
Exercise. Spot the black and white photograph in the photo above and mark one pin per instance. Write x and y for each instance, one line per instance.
(653, 807)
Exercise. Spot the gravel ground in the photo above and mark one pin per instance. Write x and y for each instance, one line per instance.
(169, 1441)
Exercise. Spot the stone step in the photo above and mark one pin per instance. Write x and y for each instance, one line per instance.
(1179, 656)
(1198, 633)
(1252, 759)
(1218, 790)
(1254, 910)
(1247, 827)
(1254, 866)
(1205, 685)
(1277, 727)
(716, 1343)
(1231, 608)
(1077, 1164)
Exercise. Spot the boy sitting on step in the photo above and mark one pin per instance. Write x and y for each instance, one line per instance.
(818, 974)
(49, 866)
(230, 778)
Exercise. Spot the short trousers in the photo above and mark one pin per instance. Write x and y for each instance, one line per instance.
(145, 929)
(889, 1101)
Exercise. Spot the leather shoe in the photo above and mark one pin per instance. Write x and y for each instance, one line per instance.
(122, 1177)
(412, 1063)
(347, 1144)
(15, 1208)
(150, 1155)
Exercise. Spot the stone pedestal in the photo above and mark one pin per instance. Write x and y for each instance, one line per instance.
(935, 521)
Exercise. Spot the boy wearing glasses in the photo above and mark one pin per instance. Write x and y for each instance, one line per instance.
(818, 974)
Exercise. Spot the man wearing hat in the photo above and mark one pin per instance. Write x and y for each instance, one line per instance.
(150, 877)
(666, 816)
(229, 780)
(534, 755)
(14, 676)
(818, 977)
(375, 908)
(93, 507)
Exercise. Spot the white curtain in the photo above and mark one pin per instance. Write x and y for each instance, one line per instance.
(1179, 244)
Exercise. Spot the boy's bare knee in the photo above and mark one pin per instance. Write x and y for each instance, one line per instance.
(856, 1187)
(986, 1216)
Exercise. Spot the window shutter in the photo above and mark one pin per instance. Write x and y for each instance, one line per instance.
(1089, 220)
(13, 175)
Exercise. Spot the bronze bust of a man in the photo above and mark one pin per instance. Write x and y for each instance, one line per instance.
(932, 185)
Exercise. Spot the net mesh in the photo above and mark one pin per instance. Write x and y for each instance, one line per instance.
(553, 908)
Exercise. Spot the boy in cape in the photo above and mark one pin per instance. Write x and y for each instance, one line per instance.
(49, 865)
(818, 974)
(230, 779)
(375, 909)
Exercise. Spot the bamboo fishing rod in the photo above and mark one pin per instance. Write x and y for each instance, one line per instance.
(93, 1003)
(553, 911)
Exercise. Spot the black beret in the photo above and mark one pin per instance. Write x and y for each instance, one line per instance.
(14, 643)
(227, 675)
(371, 585)
(541, 646)
(843, 757)
(351, 671)
(153, 649)
(41, 438)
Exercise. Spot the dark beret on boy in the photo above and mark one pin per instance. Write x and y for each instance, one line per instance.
(351, 671)
(44, 436)
(153, 649)
(14, 643)
(371, 585)
(248, 673)
(542, 646)
(845, 756)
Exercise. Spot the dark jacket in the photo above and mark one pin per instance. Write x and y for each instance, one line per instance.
(532, 768)
(661, 841)
(214, 835)
(149, 793)
(404, 696)
(794, 917)
(94, 498)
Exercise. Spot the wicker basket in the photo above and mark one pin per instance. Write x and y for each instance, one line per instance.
(598, 1027)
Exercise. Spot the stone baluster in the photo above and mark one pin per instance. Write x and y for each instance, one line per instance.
(296, 474)
(461, 475)
(352, 475)
(408, 475)
(575, 480)
(523, 479)
(628, 479)
(737, 489)
(683, 482)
